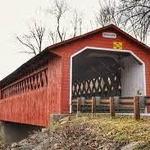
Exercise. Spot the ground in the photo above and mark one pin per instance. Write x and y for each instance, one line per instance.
(88, 132)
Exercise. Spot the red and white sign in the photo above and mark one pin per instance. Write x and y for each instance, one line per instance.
(109, 35)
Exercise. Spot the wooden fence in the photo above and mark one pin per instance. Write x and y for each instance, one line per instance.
(132, 103)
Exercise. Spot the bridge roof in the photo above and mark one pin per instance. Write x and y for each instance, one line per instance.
(47, 52)
(33, 63)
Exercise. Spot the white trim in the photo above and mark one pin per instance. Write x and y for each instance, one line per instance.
(103, 49)
(70, 79)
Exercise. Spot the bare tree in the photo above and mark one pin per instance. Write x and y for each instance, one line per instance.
(58, 11)
(68, 21)
(59, 30)
(137, 16)
(76, 23)
(33, 40)
(107, 14)
(53, 36)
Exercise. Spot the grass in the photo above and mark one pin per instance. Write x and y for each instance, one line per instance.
(123, 128)
(120, 129)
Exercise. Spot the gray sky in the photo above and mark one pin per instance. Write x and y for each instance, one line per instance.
(15, 15)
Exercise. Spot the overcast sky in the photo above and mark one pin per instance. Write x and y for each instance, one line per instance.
(15, 15)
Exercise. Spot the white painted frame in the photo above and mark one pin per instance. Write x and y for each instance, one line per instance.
(103, 49)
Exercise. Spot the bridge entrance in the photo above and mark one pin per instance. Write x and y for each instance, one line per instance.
(105, 73)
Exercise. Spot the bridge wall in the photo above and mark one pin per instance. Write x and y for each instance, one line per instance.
(33, 104)
(28, 108)
(54, 89)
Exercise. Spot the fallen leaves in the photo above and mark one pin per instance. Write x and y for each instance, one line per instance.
(89, 133)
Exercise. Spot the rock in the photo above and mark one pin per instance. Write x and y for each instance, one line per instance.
(13, 145)
(130, 146)
(45, 130)
(64, 120)
(56, 146)
(43, 145)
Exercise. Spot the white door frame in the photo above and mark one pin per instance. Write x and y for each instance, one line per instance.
(103, 49)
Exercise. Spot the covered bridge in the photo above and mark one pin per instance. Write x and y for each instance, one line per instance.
(105, 62)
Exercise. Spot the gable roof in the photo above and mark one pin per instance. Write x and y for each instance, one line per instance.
(97, 31)
(22, 68)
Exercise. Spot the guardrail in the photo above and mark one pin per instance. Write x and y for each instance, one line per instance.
(132, 103)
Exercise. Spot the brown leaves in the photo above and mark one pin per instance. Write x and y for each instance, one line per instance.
(90, 133)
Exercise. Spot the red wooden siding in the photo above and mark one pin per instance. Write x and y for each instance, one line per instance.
(28, 108)
(33, 81)
(35, 106)
(54, 86)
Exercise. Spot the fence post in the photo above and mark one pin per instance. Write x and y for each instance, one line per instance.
(136, 108)
(112, 106)
(93, 105)
(78, 105)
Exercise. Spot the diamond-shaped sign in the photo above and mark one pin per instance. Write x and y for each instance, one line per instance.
(117, 45)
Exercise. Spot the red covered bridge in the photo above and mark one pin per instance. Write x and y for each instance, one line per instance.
(105, 62)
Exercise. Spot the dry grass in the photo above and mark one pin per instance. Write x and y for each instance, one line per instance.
(120, 129)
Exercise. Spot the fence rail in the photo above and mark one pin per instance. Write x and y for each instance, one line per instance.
(132, 103)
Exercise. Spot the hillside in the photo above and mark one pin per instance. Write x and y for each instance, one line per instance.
(90, 133)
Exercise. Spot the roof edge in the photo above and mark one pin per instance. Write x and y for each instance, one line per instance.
(96, 31)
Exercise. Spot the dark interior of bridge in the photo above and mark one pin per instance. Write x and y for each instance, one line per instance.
(99, 73)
